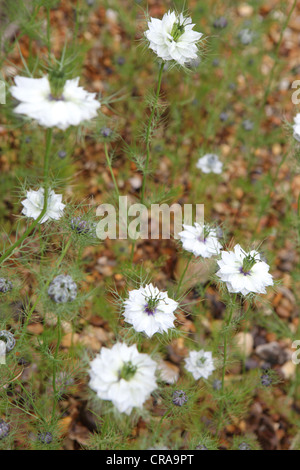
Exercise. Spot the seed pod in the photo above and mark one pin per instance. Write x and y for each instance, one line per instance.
(106, 132)
(9, 339)
(201, 447)
(4, 429)
(5, 285)
(220, 23)
(45, 437)
(79, 225)
(244, 446)
(266, 380)
(217, 384)
(62, 289)
(179, 398)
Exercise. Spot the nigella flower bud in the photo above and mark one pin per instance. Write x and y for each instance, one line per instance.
(201, 447)
(62, 289)
(121, 61)
(79, 225)
(220, 23)
(9, 339)
(194, 63)
(223, 116)
(62, 154)
(106, 132)
(179, 398)
(5, 285)
(266, 380)
(63, 381)
(4, 429)
(45, 437)
(217, 384)
(244, 446)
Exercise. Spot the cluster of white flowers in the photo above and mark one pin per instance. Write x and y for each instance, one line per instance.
(124, 376)
(210, 163)
(73, 106)
(201, 240)
(34, 204)
(243, 272)
(150, 310)
(173, 38)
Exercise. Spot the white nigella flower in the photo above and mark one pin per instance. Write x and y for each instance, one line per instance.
(149, 310)
(296, 127)
(124, 376)
(173, 38)
(201, 240)
(34, 203)
(200, 364)
(210, 163)
(70, 108)
(244, 272)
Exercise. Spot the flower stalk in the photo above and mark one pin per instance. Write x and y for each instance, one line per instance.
(232, 306)
(148, 133)
(59, 336)
(183, 275)
(111, 170)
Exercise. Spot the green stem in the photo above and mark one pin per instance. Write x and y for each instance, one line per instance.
(222, 399)
(30, 229)
(59, 336)
(132, 251)
(48, 32)
(149, 131)
(183, 274)
(111, 170)
(226, 341)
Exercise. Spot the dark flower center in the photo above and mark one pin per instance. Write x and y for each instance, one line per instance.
(150, 310)
(56, 98)
(152, 303)
(246, 273)
(204, 235)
